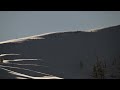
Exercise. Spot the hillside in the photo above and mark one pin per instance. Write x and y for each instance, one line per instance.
(67, 55)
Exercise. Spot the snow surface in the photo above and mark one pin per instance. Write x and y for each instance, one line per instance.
(62, 55)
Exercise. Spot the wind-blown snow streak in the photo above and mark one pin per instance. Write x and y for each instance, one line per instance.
(30, 77)
(16, 60)
(8, 54)
(26, 70)
(25, 64)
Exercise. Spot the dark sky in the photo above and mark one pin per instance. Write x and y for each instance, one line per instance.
(17, 24)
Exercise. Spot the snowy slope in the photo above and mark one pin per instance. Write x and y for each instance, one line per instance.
(68, 55)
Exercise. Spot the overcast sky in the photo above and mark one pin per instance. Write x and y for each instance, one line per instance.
(17, 24)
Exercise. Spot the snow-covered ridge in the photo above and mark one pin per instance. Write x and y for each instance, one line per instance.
(41, 36)
(115, 28)
(19, 40)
